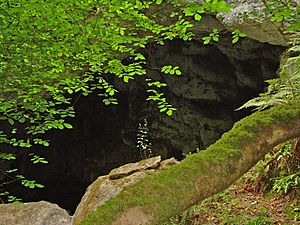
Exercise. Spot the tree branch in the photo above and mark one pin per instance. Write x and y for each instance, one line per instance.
(156, 198)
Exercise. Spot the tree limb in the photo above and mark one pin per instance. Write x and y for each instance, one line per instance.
(156, 198)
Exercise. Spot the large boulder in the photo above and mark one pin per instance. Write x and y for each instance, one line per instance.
(108, 187)
(33, 213)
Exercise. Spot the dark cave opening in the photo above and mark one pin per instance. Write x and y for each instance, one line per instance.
(216, 80)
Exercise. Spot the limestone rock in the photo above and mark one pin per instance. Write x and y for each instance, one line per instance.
(167, 163)
(131, 168)
(105, 188)
(248, 16)
(102, 190)
(33, 213)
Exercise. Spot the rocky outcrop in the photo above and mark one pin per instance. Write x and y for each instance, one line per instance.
(249, 17)
(100, 191)
(131, 168)
(33, 213)
(108, 187)
(215, 80)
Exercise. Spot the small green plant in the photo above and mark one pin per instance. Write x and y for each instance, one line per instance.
(213, 36)
(236, 35)
(9, 198)
(37, 159)
(286, 183)
(284, 12)
(28, 183)
(171, 70)
(155, 95)
(292, 210)
(279, 171)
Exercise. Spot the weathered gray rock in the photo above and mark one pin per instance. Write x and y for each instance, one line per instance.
(249, 17)
(33, 213)
(105, 188)
(131, 168)
(102, 190)
(167, 163)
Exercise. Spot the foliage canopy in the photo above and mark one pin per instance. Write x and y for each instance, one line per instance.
(54, 52)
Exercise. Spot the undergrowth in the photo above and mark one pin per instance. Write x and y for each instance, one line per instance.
(267, 194)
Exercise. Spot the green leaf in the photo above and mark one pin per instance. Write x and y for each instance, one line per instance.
(215, 38)
(11, 121)
(166, 69)
(169, 112)
(178, 72)
(163, 109)
(7, 156)
(206, 40)
(197, 17)
(158, 2)
(111, 92)
(235, 40)
(11, 171)
(242, 34)
(68, 126)
(45, 143)
(39, 185)
(126, 79)
(22, 120)
(106, 101)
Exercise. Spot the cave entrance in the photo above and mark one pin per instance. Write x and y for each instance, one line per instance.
(215, 81)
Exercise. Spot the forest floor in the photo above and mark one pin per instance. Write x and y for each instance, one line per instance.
(241, 204)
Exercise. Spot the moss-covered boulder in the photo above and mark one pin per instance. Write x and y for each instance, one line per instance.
(108, 187)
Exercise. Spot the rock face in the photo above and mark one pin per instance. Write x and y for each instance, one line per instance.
(215, 80)
(107, 187)
(34, 213)
(249, 17)
(131, 168)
